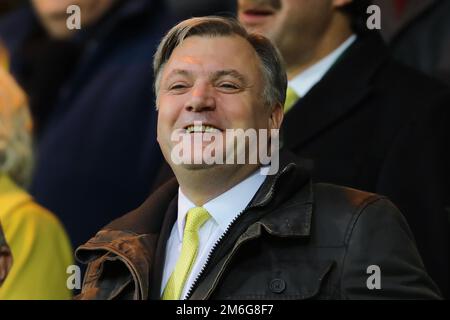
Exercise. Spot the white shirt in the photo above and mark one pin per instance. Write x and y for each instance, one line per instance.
(303, 82)
(223, 210)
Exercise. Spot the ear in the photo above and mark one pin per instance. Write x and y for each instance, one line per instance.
(276, 117)
(341, 3)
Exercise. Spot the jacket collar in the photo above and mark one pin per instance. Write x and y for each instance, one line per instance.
(149, 217)
(339, 92)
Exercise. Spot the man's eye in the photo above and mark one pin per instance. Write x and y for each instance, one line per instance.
(177, 86)
(228, 86)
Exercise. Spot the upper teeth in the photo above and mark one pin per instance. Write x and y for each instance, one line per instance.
(201, 128)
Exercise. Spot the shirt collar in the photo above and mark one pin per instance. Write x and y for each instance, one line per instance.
(303, 82)
(225, 207)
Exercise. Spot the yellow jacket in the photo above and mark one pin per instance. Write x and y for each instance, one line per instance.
(39, 245)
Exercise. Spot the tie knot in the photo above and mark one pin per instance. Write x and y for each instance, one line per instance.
(291, 99)
(196, 217)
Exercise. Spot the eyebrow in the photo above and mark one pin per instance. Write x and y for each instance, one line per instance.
(215, 75)
(229, 72)
(180, 72)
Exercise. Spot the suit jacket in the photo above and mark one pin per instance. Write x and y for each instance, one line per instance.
(378, 126)
(295, 240)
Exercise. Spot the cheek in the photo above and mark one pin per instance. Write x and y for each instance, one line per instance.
(233, 110)
(168, 112)
(164, 125)
(167, 108)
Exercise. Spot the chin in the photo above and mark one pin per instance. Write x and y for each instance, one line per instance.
(58, 30)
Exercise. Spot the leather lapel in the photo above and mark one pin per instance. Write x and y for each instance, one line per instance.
(160, 254)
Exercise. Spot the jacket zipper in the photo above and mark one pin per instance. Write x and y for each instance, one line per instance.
(189, 293)
(225, 265)
(218, 242)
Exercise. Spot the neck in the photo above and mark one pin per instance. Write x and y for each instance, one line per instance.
(203, 185)
(338, 32)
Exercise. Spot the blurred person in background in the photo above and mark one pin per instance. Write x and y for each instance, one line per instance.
(39, 244)
(418, 32)
(360, 119)
(5, 257)
(92, 104)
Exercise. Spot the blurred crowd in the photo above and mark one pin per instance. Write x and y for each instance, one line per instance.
(366, 109)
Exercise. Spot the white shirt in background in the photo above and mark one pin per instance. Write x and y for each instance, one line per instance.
(303, 82)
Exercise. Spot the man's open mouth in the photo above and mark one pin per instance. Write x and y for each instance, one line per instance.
(257, 12)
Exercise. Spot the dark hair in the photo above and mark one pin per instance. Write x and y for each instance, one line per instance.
(357, 11)
(272, 66)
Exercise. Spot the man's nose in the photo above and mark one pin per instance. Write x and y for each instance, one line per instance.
(201, 99)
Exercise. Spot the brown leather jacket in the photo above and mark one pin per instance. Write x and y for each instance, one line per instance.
(295, 240)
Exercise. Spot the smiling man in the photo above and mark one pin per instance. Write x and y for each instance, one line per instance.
(227, 231)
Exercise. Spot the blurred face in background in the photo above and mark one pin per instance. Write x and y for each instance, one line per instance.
(294, 26)
(53, 14)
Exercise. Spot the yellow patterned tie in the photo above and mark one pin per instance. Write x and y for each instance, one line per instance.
(291, 99)
(196, 217)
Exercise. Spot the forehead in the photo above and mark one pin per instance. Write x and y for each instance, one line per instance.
(206, 53)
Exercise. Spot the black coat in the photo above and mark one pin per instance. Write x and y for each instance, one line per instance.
(295, 240)
(378, 126)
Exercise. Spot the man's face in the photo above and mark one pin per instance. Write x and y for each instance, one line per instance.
(216, 81)
(53, 13)
(293, 25)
